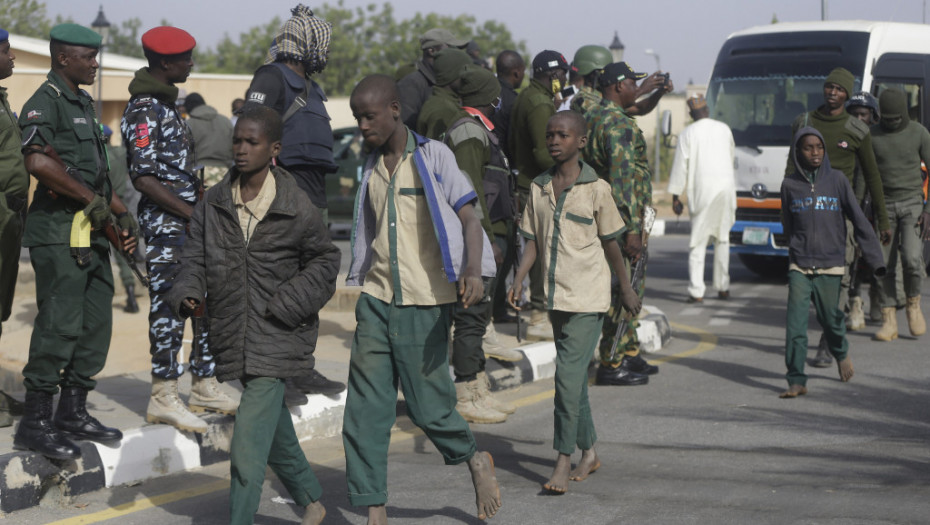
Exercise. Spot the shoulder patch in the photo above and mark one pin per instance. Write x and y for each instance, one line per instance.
(33, 114)
(257, 97)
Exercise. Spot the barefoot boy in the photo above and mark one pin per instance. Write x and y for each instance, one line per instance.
(814, 200)
(415, 235)
(571, 218)
(272, 266)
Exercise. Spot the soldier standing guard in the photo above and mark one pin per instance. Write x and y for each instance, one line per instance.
(14, 183)
(160, 152)
(74, 283)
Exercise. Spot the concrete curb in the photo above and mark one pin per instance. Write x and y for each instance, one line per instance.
(150, 451)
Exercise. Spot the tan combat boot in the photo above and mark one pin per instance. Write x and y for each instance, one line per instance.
(206, 395)
(856, 319)
(470, 405)
(494, 349)
(539, 329)
(166, 407)
(889, 329)
(915, 318)
(484, 390)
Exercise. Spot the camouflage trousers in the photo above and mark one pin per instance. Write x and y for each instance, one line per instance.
(166, 331)
(629, 343)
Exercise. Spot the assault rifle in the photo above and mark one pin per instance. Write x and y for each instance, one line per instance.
(110, 230)
(639, 269)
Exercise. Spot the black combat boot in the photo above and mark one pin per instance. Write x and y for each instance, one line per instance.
(73, 421)
(37, 433)
(132, 307)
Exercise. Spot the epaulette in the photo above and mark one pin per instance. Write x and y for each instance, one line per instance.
(54, 88)
(143, 100)
(858, 128)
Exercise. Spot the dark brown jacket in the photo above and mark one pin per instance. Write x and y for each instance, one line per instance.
(262, 298)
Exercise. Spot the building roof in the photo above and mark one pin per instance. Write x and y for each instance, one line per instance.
(39, 46)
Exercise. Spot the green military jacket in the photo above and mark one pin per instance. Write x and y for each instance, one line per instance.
(439, 111)
(68, 121)
(616, 150)
(527, 141)
(14, 180)
(586, 99)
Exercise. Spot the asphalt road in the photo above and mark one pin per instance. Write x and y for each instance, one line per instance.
(708, 441)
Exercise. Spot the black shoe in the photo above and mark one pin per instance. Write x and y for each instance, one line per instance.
(619, 376)
(316, 383)
(823, 359)
(293, 397)
(693, 300)
(37, 433)
(74, 422)
(639, 365)
(132, 307)
(724, 295)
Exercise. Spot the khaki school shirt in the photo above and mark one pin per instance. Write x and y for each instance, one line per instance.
(568, 234)
(406, 263)
(252, 212)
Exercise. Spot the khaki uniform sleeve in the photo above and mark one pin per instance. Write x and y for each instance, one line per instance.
(606, 215)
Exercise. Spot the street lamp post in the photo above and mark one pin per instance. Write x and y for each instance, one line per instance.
(102, 26)
(658, 141)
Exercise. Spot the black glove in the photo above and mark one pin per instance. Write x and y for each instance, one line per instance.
(127, 222)
(98, 212)
(677, 207)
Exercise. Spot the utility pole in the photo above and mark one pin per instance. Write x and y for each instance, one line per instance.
(823, 9)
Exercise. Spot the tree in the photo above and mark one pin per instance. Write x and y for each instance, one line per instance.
(25, 17)
(125, 40)
(243, 55)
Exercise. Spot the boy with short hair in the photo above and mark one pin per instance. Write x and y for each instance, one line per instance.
(272, 267)
(816, 201)
(569, 210)
(417, 246)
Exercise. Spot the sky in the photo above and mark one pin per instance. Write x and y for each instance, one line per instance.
(685, 34)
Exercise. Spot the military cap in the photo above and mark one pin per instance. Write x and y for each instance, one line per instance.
(438, 36)
(618, 72)
(479, 87)
(449, 65)
(548, 60)
(76, 35)
(4, 35)
(167, 40)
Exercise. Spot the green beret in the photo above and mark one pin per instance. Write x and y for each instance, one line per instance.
(479, 87)
(449, 65)
(76, 35)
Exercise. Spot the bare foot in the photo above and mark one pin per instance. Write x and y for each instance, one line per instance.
(377, 515)
(793, 391)
(487, 492)
(558, 483)
(846, 369)
(314, 514)
(588, 464)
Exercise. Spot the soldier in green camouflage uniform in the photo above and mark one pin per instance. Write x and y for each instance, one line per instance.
(616, 150)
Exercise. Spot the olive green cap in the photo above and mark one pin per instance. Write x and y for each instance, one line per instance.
(76, 35)
(479, 87)
(449, 65)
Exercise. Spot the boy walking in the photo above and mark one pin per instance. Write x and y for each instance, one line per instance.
(816, 202)
(272, 267)
(572, 220)
(415, 235)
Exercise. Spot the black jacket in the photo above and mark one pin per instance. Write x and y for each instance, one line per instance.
(262, 299)
(813, 215)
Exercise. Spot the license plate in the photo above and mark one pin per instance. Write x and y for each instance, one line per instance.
(756, 236)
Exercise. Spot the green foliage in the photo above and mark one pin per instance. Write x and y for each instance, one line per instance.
(125, 39)
(25, 17)
(243, 55)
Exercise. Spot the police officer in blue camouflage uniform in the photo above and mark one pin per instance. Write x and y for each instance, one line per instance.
(160, 157)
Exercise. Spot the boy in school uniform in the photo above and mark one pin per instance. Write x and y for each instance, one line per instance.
(816, 201)
(417, 246)
(572, 220)
(272, 267)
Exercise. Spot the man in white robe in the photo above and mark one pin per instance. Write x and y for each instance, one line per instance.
(703, 170)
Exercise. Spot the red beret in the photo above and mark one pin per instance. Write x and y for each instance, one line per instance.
(167, 40)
